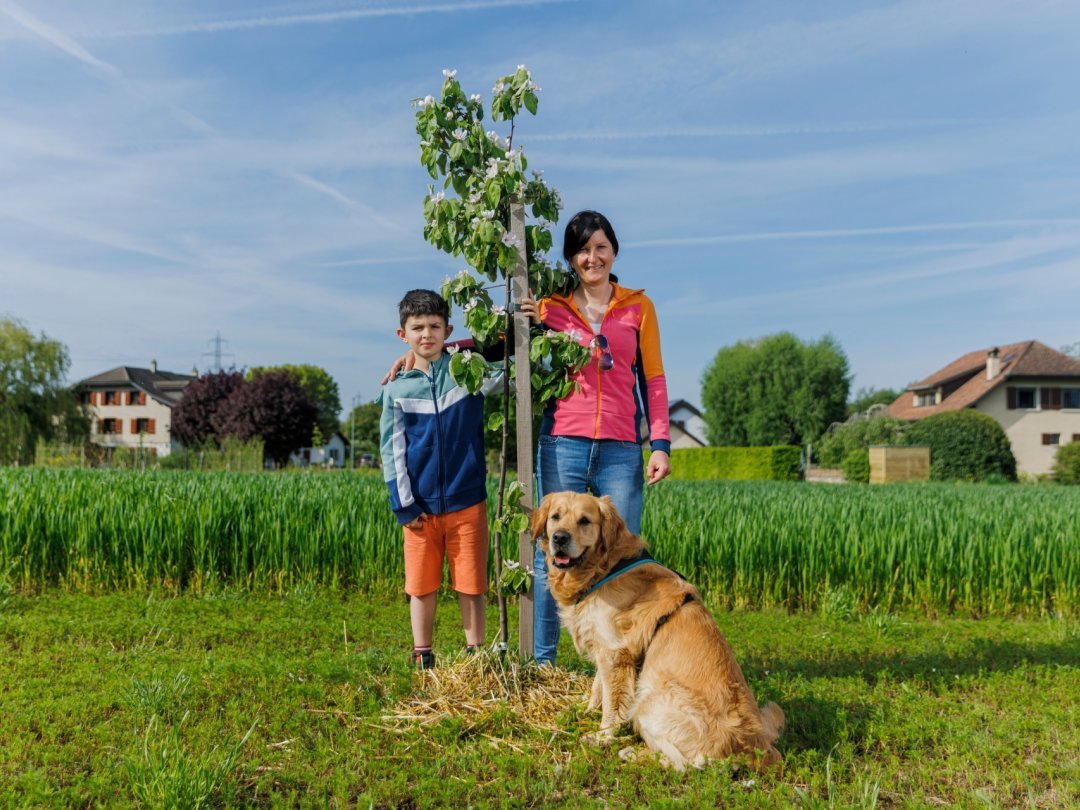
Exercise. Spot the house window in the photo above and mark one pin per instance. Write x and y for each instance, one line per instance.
(334, 455)
(1051, 438)
(142, 425)
(110, 426)
(926, 400)
(86, 398)
(136, 398)
(1070, 397)
(112, 398)
(1023, 399)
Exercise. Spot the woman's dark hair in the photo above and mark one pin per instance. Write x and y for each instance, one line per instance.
(580, 229)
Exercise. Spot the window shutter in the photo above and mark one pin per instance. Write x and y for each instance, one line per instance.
(1055, 398)
(119, 426)
(142, 397)
(134, 427)
(150, 426)
(1010, 397)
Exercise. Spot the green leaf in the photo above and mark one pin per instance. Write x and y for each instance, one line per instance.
(530, 102)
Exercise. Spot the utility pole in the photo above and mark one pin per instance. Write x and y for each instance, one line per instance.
(352, 432)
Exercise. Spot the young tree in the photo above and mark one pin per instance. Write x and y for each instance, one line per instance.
(193, 416)
(273, 407)
(35, 405)
(775, 390)
(321, 388)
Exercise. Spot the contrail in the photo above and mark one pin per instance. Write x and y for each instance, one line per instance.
(321, 18)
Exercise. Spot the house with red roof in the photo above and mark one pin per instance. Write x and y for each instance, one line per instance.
(132, 407)
(1033, 391)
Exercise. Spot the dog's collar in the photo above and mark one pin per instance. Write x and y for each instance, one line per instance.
(621, 567)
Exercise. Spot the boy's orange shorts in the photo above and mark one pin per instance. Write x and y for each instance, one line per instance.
(462, 538)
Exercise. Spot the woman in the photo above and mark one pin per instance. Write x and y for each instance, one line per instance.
(590, 440)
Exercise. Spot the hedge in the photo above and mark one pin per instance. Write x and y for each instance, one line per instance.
(778, 463)
(965, 445)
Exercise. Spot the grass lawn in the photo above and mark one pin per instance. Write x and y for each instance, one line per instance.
(132, 699)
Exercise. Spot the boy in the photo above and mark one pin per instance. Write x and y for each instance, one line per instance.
(433, 463)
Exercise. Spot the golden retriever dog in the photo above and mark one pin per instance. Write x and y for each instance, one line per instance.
(661, 662)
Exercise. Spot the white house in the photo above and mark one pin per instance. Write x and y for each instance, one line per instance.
(132, 407)
(687, 425)
(1032, 390)
(334, 453)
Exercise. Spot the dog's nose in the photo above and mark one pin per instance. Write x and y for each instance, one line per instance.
(560, 538)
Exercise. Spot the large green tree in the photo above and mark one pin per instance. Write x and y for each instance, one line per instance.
(35, 404)
(775, 390)
(320, 388)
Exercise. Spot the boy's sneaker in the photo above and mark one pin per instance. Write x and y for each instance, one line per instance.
(422, 659)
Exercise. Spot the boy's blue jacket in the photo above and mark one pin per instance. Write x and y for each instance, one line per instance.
(433, 442)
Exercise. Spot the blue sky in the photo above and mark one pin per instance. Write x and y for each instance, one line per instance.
(904, 176)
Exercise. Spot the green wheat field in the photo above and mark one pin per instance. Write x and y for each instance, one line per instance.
(239, 640)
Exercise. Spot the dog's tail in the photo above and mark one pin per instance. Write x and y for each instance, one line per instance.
(772, 721)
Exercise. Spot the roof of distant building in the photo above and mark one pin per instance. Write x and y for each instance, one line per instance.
(165, 386)
(1028, 358)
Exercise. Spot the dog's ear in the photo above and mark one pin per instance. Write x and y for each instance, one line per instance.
(538, 519)
(612, 525)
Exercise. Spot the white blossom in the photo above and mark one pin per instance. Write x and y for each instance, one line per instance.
(446, 280)
(449, 73)
(511, 564)
(522, 67)
(498, 88)
(542, 223)
(426, 102)
(452, 348)
(551, 334)
(470, 306)
(463, 273)
(476, 97)
(439, 197)
(574, 335)
(492, 169)
(510, 240)
(487, 213)
(467, 355)
(498, 310)
(460, 134)
(533, 87)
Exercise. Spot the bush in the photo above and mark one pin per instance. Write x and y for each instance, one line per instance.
(1067, 464)
(779, 463)
(856, 466)
(842, 440)
(965, 446)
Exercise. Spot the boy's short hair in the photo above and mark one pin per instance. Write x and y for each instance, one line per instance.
(423, 302)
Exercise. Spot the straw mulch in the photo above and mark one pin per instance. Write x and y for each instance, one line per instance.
(478, 687)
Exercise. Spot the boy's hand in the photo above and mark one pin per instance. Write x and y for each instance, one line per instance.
(403, 363)
(416, 524)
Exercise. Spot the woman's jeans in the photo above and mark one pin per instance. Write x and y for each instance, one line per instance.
(602, 467)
